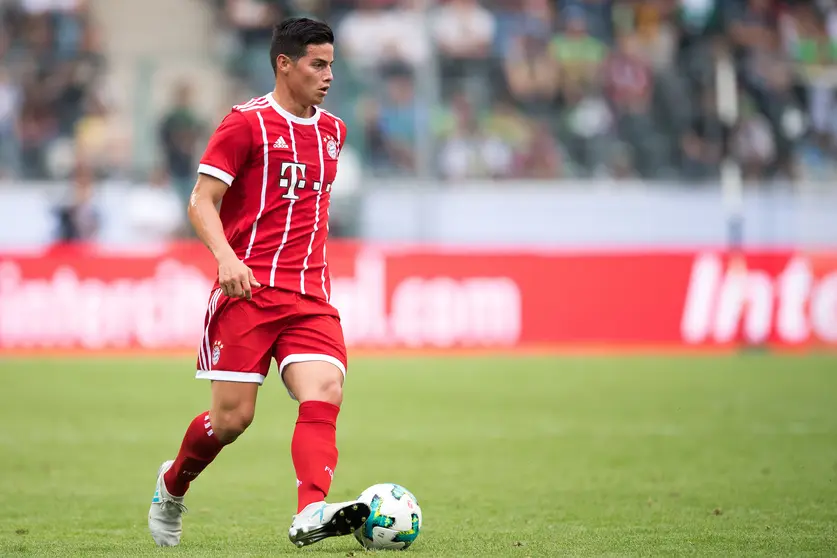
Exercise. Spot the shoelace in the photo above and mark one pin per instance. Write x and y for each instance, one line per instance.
(166, 505)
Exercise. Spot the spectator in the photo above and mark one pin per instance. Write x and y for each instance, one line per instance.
(578, 53)
(364, 36)
(701, 141)
(252, 22)
(527, 18)
(156, 211)
(371, 36)
(10, 102)
(809, 37)
(37, 127)
(79, 219)
(399, 116)
(531, 73)
(542, 158)
(597, 14)
(629, 86)
(409, 25)
(468, 151)
(376, 157)
(753, 144)
(180, 131)
(464, 32)
(51, 49)
(506, 124)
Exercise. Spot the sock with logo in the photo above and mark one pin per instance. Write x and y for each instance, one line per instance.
(199, 448)
(314, 450)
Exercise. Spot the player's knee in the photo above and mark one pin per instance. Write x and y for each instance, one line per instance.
(229, 424)
(315, 381)
(325, 389)
(233, 407)
(331, 391)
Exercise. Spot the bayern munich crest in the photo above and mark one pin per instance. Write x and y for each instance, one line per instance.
(216, 352)
(331, 147)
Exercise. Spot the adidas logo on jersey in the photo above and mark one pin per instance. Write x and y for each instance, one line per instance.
(280, 143)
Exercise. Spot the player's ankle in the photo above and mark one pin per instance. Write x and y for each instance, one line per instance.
(310, 497)
(173, 487)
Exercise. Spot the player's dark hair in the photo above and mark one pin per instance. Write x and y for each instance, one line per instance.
(292, 37)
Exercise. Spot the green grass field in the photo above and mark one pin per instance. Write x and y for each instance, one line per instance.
(639, 456)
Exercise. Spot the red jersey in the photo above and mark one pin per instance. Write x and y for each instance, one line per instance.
(280, 169)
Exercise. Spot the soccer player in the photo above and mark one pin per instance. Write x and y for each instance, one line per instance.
(272, 161)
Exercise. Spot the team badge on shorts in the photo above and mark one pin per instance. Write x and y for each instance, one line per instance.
(331, 147)
(216, 352)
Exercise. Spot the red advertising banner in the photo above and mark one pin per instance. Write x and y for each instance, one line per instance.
(81, 297)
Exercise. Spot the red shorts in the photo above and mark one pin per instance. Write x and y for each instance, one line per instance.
(241, 336)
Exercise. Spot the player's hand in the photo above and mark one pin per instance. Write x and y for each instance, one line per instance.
(236, 279)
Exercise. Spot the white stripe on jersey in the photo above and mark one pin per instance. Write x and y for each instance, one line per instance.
(325, 262)
(290, 211)
(316, 214)
(245, 105)
(253, 104)
(337, 122)
(264, 187)
(205, 355)
(337, 125)
(254, 107)
(336, 118)
(252, 101)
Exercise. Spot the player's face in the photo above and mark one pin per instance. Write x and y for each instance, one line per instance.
(311, 76)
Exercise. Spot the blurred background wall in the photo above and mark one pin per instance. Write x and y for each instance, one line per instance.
(493, 125)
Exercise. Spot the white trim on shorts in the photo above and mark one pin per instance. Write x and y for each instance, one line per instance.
(311, 357)
(308, 357)
(227, 376)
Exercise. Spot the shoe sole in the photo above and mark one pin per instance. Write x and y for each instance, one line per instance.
(344, 522)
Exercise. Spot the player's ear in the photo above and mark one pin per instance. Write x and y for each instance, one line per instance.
(283, 63)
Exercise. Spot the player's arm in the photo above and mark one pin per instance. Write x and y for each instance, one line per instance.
(227, 151)
(235, 278)
(203, 214)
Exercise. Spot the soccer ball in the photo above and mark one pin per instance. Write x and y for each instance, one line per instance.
(394, 519)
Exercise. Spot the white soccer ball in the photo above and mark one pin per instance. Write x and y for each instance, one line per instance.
(394, 519)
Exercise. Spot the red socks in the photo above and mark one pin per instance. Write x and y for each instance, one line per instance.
(314, 450)
(199, 448)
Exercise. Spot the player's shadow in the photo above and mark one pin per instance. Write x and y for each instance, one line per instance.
(344, 550)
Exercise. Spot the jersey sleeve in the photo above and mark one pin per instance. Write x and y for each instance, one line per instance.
(228, 148)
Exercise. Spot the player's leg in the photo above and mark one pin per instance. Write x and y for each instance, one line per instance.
(231, 412)
(312, 358)
(318, 386)
(236, 373)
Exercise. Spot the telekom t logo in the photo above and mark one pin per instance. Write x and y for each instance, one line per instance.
(296, 179)
(293, 177)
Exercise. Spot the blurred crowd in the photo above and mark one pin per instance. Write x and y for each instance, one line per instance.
(572, 88)
(51, 103)
(537, 89)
